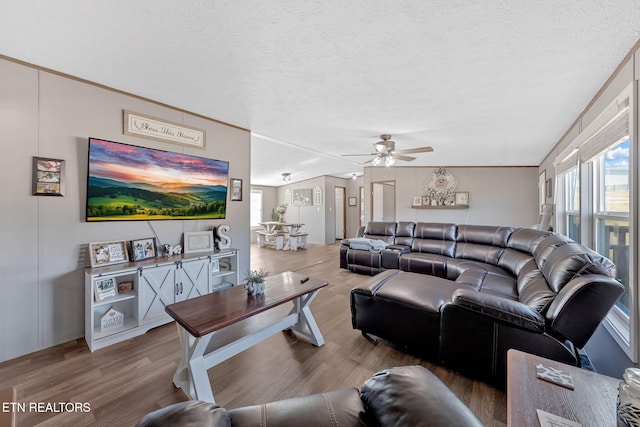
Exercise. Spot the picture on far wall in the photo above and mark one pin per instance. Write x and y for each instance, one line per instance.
(48, 177)
(303, 197)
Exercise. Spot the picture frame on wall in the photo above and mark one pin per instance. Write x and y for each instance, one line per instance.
(417, 201)
(198, 241)
(353, 201)
(303, 197)
(236, 190)
(48, 176)
(143, 249)
(462, 198)
(108, 253)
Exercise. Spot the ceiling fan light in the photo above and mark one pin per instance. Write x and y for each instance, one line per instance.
(389, 161)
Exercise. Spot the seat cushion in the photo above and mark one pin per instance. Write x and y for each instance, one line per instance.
(424, 263)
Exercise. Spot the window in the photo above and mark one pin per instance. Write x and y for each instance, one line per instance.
(611, 216)
(597, 204)
(571, 192)
(256, 208)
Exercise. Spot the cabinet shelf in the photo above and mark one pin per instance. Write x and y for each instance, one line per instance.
(154, 284)
(122, 296)
(440, 207)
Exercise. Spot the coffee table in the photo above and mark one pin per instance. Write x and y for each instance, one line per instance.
(217, 326)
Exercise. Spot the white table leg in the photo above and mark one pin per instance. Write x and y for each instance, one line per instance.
(307, 325)
(191, 374)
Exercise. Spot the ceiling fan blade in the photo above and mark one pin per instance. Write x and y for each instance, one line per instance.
(415, 150)
(364, 154)
(401, 157)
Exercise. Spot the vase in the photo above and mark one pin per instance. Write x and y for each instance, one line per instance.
(281, 218)
(628, 404)
(254, 288)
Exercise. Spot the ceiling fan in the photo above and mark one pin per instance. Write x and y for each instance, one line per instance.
(386, 153)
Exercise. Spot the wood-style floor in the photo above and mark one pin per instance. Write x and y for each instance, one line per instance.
(123, 382)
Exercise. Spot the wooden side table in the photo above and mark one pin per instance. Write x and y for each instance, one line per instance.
(592, 402)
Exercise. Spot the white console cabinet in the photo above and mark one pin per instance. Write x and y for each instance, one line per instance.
(153, 284)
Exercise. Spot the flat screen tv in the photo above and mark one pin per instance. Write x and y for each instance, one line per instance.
(131, 183)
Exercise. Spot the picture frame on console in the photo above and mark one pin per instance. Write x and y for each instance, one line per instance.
(197, 242)
(462, 198)
(108, 253)
(143, 249)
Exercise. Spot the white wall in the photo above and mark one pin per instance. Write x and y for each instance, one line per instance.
(45, 238)
(497, 195)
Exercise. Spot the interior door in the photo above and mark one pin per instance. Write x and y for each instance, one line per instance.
(340, 214)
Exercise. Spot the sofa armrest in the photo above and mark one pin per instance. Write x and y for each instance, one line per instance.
(339, 407)
(499, 308)
(401, 249)
(412, 396)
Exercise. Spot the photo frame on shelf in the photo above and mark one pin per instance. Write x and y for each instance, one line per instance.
(108, 253)
(215, 265)
(236, 190)
(462, 198)
(125, 286)
(105, 288)
(198, 241)
(48, 177)
(353, 201)
(417, 201)
(143, 249)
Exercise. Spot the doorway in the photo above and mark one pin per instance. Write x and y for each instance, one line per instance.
(340, 195)
(383, 201)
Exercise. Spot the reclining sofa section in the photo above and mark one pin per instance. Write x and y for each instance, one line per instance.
(465, 294)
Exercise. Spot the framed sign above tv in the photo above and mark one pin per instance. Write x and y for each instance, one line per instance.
(131, 183)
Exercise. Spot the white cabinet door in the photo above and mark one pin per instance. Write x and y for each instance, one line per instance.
(193, 279)
(158, 288)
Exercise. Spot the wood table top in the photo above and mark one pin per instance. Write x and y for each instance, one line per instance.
(592, 402)
(205, 314)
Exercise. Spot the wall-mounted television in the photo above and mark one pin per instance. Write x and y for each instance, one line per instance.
(131, 183)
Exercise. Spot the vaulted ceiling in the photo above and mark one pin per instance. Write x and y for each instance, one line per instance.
(484, 82)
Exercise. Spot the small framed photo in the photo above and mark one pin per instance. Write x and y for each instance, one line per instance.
(417, 201)
(215, 265)
(143, 249)
(236, 190)
(198, 241)
(462, 198)
(107, 253)
(48, 177)
(426, 201)
(353, 201)
(125, 286)
(105, 289)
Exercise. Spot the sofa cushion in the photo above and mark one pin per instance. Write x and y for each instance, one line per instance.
(534, 291)
(484, 281)
(455, 267)
(335, 408)
(487, 235)
(513, 260)
(424, 263)
(404, 233)
(435, 238)
(413, 396)
(420, 291)
(547, 246)
(381, 231)
(573, 260)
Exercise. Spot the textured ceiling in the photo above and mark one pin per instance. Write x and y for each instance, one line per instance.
(483, 82)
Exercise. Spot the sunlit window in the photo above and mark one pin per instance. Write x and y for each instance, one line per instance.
(256, 208)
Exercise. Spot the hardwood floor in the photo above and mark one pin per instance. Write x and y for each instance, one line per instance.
(123, 382)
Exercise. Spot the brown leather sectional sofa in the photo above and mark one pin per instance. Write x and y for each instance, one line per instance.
(464, 294)
(400, 396)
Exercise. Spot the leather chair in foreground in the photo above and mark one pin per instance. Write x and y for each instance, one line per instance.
(400, 396)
